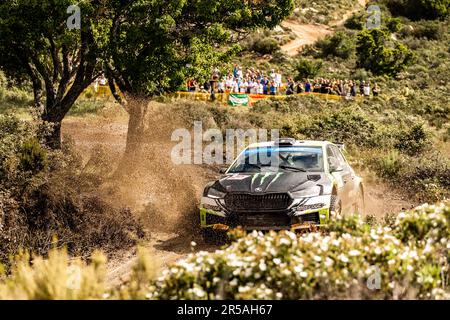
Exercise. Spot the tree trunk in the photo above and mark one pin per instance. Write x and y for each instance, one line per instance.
(53, 140)
(137, 125)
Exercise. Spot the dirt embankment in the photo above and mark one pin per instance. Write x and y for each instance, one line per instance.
(307, 34)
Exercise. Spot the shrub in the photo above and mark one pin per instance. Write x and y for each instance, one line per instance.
(410, 258)
(44, 193)
(431, 30)
(374, 54)
(346, 125)
(420, 9)
(58, 277)
(266, 46)
(316, 266)
(393, 24)
(413, 141)
(355, 22)
(307, 68)
(339, 45)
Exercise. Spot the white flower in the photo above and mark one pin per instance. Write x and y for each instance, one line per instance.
(276, 261)
(343, 258)
(262, 266)
(328, 262)
(298, 268)
(354, 252)
(303, 274)
(317, 258)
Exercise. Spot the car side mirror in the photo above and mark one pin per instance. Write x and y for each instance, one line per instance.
(334, 165)
(222, 170)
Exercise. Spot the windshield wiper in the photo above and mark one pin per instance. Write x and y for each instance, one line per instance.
(292, 168)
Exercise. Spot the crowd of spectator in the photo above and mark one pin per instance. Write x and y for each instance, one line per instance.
(254, 81)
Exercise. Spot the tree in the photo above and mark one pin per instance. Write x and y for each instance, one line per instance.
(145, 47)
(381, 55)
(307, 68)
(36, 43)
(154, 46)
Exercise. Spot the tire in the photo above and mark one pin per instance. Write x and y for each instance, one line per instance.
(214, 237)
(360, 203)
(335, 206)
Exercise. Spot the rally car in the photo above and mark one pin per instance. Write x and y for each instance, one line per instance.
(283, 184)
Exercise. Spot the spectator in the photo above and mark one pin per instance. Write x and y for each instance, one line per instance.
(290, 87)
(221, 86)
(367, 89)
(361, 87)
(299, 87)
(273, 88)
(307, 86)
(265, 86)
(353, 88)
(235, 71)
(375, 89)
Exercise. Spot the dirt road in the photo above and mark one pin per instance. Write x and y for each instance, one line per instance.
(163, 183)
(309, 33)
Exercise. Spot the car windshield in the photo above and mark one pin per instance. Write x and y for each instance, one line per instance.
(270, 159)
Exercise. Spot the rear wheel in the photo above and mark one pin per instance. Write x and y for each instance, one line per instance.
(335, 206)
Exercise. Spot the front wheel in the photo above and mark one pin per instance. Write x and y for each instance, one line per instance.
(360, 203)
(335, 206)
(214, 237)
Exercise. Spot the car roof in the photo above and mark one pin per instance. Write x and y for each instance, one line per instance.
(307, 143)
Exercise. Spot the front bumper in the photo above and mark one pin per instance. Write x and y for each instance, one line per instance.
(302, 214)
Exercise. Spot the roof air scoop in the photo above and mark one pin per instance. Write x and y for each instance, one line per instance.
(285, 142)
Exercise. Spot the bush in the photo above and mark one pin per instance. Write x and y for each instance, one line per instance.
(266, 46)
(315, 266)
(307, 68)
(420, 9)
(374, 54)
(423, 178)
(393, 24)
(339, 45)
(414, 141)
(431, 30)
(45, 193)
(355, 22)
(346, 125)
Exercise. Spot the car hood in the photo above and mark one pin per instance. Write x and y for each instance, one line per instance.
(270, 181)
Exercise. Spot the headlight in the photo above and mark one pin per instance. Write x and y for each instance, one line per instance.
(215, 194)
(310, 192)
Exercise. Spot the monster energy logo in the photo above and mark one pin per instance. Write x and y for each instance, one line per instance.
(263, 176)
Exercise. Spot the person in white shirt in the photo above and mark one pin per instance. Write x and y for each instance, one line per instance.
(243, 87)
(235, 87)
(272, 74)
(229, 83)
(221, 86)
(249, 85)
(278, 77)
(261, 88)
(366, 89)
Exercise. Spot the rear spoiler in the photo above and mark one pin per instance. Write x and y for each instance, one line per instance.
(341, 146)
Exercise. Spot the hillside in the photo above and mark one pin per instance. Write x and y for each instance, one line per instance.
(113, 187)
